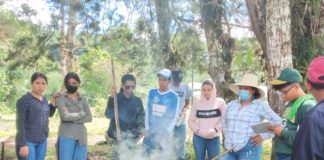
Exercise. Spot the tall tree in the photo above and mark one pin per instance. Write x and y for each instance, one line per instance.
(70, 17)
(219, 58)
(271, 23)
(278, 44)
(163, 17)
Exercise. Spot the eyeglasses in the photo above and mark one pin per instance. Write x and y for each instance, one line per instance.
(127, 87)
(287, 90)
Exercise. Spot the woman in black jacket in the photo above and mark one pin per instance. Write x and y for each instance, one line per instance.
(131, 118)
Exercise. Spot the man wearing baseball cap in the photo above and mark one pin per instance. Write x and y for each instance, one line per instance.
(289, 88)
(309, 141)
(184, 93)
(160, 119)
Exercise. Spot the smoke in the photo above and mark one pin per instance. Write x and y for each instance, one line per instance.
(161, 146)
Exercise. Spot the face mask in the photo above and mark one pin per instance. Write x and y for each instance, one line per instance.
(71, 89)
(244, 94)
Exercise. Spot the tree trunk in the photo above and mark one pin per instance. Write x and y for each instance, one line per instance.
(62, 41)
(257, 15)
(219, 58)
(75, 4)
(278, 45)
(163, 21)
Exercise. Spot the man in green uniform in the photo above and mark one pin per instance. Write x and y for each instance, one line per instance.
(288, 84)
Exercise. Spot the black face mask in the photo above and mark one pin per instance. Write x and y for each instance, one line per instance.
(71, 88)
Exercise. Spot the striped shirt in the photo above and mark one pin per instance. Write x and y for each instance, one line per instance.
(237, 122)
(32, 119)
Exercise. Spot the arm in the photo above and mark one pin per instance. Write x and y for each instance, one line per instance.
(192, 120)
(52, 104)
(20, 123)
(110, 108)
(52, 109)
(175, 104)
(88, 115)
(271, 116)
(187, 100)
(222, 106)
(65, 114)
(147, 113)
(289, 135)
(141, 116)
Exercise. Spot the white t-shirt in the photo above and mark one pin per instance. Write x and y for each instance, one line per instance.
(184, 93)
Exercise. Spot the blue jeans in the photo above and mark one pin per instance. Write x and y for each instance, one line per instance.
(201, 145)
(180, 141)
(36, 151)
(248, 152)
(70, 149)
(282, 157)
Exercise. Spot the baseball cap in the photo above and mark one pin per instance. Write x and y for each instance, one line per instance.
(288, 75)
(177, 75)
(315, 71)
(165, 73)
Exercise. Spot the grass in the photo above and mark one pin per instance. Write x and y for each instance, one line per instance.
(96, 132)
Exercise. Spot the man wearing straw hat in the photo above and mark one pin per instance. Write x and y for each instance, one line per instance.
(288, 86)
(309, 141)
(239, 117)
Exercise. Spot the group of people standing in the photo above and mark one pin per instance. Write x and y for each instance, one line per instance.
(298, 133)
(33, 112)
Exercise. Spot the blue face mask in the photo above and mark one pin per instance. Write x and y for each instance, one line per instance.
(244, 94)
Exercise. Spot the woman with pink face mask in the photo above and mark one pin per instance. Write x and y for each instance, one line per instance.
(205, 122)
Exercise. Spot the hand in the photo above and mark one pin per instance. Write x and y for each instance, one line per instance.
(203, 133)
(53, 98)
(211, 132)
(23, 151)
(65, 109)
(113, 91)
(275, 129)
(82, 113)
(256, 140)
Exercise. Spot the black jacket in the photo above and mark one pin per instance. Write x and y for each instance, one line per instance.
(131, 116)
(309, 141)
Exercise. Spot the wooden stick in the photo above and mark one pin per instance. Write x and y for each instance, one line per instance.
(115, 103)
(223, 154)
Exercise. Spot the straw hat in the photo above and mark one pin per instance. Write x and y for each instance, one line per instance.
(250, 80)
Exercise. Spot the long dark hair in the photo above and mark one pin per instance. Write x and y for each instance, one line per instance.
(257, 93)
(38, 75)
(69, 76)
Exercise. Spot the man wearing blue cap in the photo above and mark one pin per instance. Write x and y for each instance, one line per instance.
(160, 119)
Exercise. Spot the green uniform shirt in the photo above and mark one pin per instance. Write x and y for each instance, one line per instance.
(283, 143)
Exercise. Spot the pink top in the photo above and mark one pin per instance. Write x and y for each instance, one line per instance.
(206, 116)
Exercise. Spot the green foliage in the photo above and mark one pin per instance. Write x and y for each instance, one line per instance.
(99, 104)
(246, 58)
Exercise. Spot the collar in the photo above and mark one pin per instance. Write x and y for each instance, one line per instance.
(65, 94)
